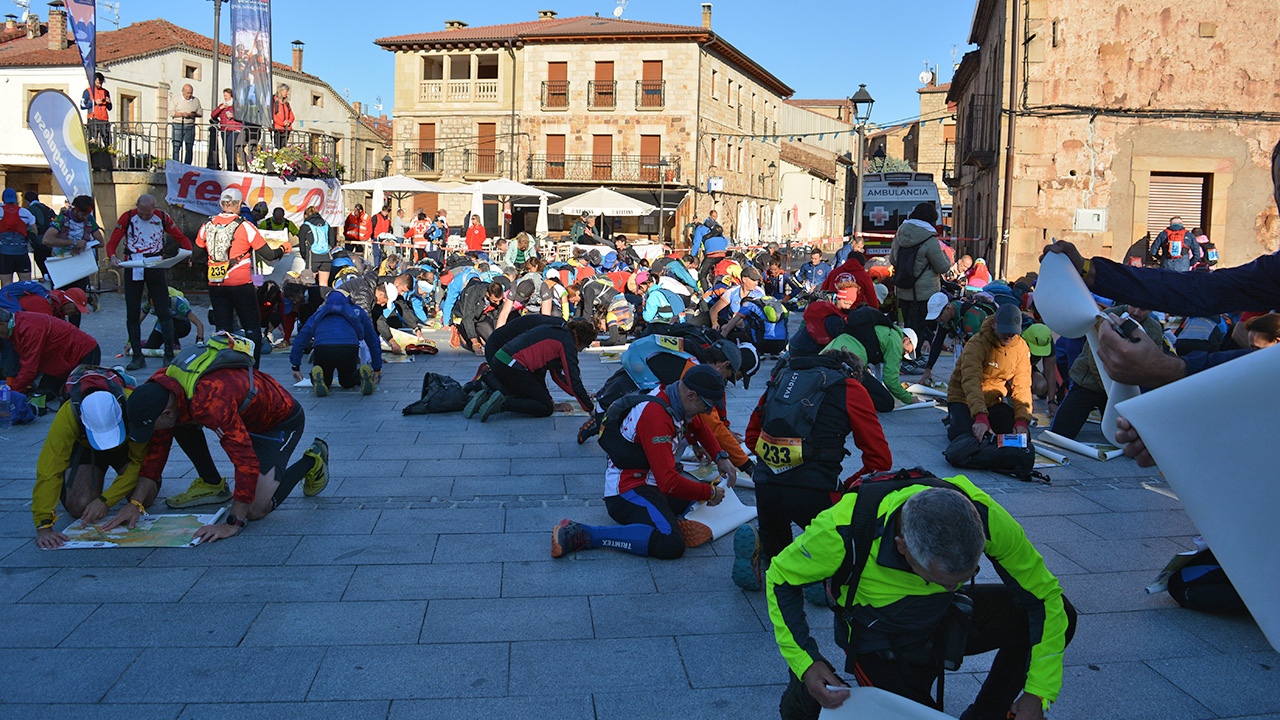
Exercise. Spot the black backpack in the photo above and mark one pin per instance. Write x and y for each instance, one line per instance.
(903, 277)
(967, 451)
(1203, 585)
(440, 394)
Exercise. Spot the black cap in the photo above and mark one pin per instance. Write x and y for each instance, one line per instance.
(749, 271)
(750, 363)
(707, 382)
(143, 407)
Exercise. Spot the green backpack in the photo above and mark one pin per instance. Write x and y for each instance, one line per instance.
(222, 350)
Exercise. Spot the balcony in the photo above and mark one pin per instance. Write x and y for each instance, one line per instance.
(602, 95)
(596, 168)
(555, 95)
(145, 146)
(483, 162)
(423, 161)
(437, 91)
(651, 94)
(978, 129)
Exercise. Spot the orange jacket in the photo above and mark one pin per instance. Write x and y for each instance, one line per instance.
(357, 227)
(281, 114)
(101, 100)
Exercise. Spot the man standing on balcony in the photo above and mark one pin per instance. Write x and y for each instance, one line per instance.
(475, 235)
(97, 101)
(184, 110)
(281, 116)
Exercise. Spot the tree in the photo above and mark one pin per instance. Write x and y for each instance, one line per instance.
(882, 163)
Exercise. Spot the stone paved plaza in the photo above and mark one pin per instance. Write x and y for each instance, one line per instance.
(420, 584)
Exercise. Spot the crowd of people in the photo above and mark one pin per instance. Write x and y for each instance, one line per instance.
(894, 553)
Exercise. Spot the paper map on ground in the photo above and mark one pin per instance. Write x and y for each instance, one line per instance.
(611, 356)
(1044, 462)
(151, 531)
(724, 518)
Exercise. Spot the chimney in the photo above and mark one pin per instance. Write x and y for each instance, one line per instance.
(297, 55)
(57, 26)
(547, 14)
(382, 117)
(358, 108)
(454, 24)
(706, 15)
(10, 22)
(33, 26)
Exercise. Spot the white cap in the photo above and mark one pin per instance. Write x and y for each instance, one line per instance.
(915, 341)
(392, 292)
(882, 292)
(231, 194)
(937, 301)
(103, 420)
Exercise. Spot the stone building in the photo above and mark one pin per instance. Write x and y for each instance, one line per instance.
(936, 137)
(813, 182)
(669, 114)
(1117, 117)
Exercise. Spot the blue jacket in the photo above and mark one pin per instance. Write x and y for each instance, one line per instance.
(843, 254)
(337, 322)
(701, 242)
(461, 277)
(813, 275)
(10, 293)
(1190, 249)
(1253, 287)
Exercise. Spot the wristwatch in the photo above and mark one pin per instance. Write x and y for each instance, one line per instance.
(233, 520)
(722, 455)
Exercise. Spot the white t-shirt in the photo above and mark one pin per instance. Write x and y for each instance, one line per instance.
(145, 237)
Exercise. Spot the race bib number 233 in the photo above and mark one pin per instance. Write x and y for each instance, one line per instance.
(780, 454)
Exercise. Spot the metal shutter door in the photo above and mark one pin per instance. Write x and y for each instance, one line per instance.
(1174, 195)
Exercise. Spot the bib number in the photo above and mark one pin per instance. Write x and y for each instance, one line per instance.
(218, 271)
(780, 454)
(670, 343)
(1175, 248)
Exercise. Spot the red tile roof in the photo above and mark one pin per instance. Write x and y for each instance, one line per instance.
(380, 125)
(136, 40)
(837, 102)
(582, 26)
(935, 88)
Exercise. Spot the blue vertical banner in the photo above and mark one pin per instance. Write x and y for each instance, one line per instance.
(83, 15)
(55, 120)
(251, 61)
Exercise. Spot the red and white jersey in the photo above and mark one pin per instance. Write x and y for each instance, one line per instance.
(145, 237)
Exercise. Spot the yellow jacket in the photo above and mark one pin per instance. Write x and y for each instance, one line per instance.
(55, 459)
(988, 372)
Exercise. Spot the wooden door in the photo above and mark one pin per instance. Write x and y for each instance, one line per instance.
(486, 160)
(601, 157)
(555, 157)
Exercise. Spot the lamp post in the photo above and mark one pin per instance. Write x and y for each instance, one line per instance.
(212, 160)
(386, 165)
(862, 102)
(662, 199)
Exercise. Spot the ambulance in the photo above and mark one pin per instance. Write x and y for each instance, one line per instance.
(887, 201)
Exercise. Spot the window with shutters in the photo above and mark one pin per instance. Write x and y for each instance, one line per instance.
(555, 89)
(555, 157)
(651, 89)
(1183, 195)
(650, 157)
(715, 83)
(603, 90)
(601, 157)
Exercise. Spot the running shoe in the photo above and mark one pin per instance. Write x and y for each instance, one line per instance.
(318, 385)
(137, 363)
(477, 399)
(589, 429)
(695, 533)
(568, 536)
(746, 558)
(366, 380)
(318, 476)
(492, 405)
(201, 493)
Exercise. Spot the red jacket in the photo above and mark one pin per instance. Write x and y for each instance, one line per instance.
(656, 432)
(475, 237)
(866, 286)
(45, 344)
(216, 405)
(126, 228)
(281, 114)
(357, 227)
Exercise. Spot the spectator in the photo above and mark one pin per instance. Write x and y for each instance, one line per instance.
(626, 253)
(96, 101)
(47, 350)
(17, 227)
(335, 334)
(224, 116)
(813, 274)
(313, 245)
(281, 116)
(1175, 247)
(520, 251)
(399, 226)
(379, 227)
(584, 228)
(144, 230)
(356, 230)
(475, 235)
(184, 110)
(44, 216)
(990, 389)
(442, 218)
(919, 263)
(278, 222)
(231, 244)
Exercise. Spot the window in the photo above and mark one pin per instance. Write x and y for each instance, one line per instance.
(487, 158)
(715, 83)
(555, 157)
(424, 158)
(191, 71)
(317, 100)
(601, 157)
(729, 96)
(713, 152)
(555, 91)
(432, 68)
(602, 92)
(650, 157)
(652, 87)
(128, 108)
(31, 95)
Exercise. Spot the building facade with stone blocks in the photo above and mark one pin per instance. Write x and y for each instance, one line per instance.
(1122, 116)
(568, 104)
(144, 65)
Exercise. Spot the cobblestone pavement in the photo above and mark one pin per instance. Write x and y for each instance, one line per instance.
(420, 584)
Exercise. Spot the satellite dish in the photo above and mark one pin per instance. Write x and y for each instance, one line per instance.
(617, 12)
(926, 77)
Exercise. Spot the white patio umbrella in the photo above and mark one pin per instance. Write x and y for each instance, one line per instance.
(395, 184)
(740, 225)
(754, 228)
(477, 206)
(543, 228)
(776, 225)
(603, 201)
(504, 187)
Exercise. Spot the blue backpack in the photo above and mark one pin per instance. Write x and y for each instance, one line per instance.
(319, 237)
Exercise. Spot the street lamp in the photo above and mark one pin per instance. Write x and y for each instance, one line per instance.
(862, 102)
(386, 165)
(662, 199)
(212, 159)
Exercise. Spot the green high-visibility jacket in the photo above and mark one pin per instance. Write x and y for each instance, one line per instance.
(888, 584)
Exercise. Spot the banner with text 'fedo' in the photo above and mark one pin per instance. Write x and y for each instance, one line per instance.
(55, 120)
(197, 189)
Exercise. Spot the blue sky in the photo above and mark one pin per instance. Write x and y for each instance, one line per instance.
(822, 48)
